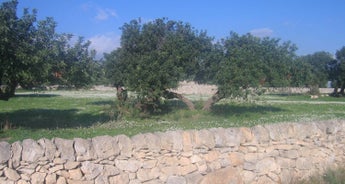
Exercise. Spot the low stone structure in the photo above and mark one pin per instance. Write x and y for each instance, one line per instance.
(275, 153)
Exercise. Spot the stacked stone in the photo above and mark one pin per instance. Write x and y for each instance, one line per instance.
(278, 153)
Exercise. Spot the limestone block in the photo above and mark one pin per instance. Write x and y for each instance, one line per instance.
(16, 154)
(75, 174)
(233, 137)
(125, 145)
(71, 165)
(264, 180)
(247, 135)
(203, 139)
(236, 158)
(261, 134)
(31, 152)
(267, 165)
(105, 146)
(11, 174)
(55, 168)
(50, 179)
(226, 175)
(65, 147)
(147, 174)
(184, 161)
(211, 156)
(171, 170)
(248, 176)
(49, 148)
(122, 178)
(101, 179)
(280, 131)
(5, 152)
(171, 140)
(149, 164)
(192, 178)
(187, 141)
(148, 141)
(289, 154)
(187, 169)
(19, 182)
(303, 163)
(110, 170)
(38, 178)
(128, 165)
(286, 163)
(91, 170)
(61, 180)
(84, 149)
(176, 180)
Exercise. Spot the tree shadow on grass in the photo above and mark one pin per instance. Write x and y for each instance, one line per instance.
(51, 118)
(40, 95)
(103, 102)
(227, 110)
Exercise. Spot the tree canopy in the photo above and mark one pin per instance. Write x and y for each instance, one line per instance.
(33, 54)
(154, 57)
(249, 62)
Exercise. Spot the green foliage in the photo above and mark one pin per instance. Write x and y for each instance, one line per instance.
(339, 72)
(311, 70)
(154, 57)
(32, 54)
(250, 62)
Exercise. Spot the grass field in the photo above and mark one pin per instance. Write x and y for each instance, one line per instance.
(85, 114)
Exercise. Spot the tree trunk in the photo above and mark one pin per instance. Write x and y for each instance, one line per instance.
(185, 100)
(211, 101)
(335, 91)
(4, 93)
(12, 88)
(342, 89)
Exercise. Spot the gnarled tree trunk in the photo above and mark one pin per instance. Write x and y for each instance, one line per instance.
(169, 95)
(211, 101)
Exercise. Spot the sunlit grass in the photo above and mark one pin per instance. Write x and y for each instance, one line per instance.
(87, 114)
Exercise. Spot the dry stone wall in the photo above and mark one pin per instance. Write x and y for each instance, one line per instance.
(277, 153)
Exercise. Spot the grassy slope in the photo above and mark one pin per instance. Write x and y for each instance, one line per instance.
(87, 114)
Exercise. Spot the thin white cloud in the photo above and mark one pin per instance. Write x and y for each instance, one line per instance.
(262, 32)
(104, 14)
(104, 43)
(86, 6)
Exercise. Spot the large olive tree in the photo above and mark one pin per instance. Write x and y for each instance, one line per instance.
(153, 58)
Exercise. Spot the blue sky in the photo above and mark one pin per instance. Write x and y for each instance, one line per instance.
(313, 25)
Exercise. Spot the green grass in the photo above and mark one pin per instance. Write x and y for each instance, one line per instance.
(87, 114)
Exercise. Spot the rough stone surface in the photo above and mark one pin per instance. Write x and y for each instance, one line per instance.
(5, 152)
(226, 175)
(31, 151)
(65, 147)
(91, 170)
(84, 149)
(11, 174)
(277, 153)
(105, 146)
(38, 178)
(16, 154)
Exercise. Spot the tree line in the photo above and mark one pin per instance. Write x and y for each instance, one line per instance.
(153, 57)
(33, 54)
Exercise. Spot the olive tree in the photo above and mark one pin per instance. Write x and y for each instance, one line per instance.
(249, 62)
(153, 58)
